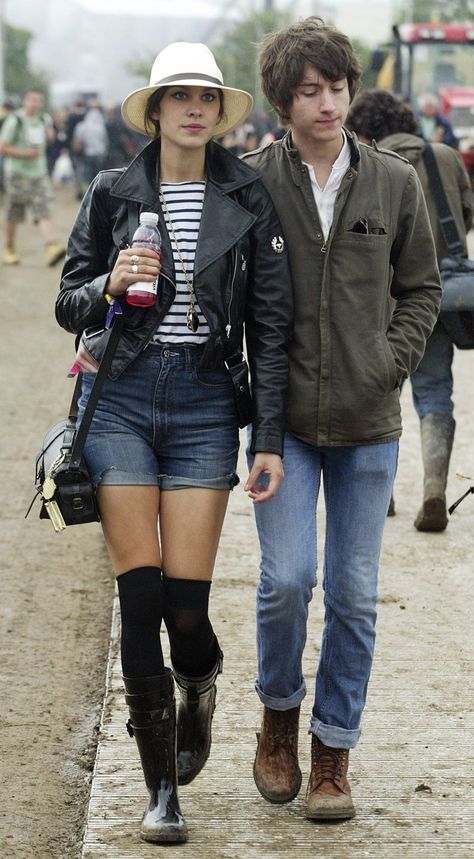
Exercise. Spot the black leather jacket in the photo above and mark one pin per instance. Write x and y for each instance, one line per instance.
(241, 275)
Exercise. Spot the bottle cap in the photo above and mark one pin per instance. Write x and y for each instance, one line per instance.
(149, 218)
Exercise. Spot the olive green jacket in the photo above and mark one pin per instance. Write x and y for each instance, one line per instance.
(366, 299)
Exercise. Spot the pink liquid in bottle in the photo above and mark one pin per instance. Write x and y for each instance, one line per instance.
(147, 235)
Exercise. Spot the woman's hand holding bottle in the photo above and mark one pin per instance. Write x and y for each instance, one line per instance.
(146, 262)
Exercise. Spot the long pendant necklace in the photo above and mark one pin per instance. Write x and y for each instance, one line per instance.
(192, 319)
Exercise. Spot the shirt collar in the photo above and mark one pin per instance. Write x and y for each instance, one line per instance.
(343, 159)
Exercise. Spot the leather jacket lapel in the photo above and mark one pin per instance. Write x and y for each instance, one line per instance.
(218, 235)
(138, 183)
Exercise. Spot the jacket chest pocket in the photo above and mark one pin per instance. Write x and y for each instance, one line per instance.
(360, 262)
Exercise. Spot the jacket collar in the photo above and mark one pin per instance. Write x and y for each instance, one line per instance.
(295, 158)
(223, 220)
(139, 181)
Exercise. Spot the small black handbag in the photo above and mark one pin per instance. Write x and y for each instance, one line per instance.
(457, 271)
(62, 480)
(238, 368)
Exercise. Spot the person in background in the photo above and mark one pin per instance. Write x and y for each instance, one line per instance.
(367, 293)
(58, 142)
(124, 143)
(90, 142)
(23, 140)
(433, 127)
(6, 109)
(231, 142)
(250, 142)
(274, 134)
(164, 439)
(378, 115)
(75, 116)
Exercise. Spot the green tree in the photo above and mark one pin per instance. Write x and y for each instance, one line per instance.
(19, 76)
(237, 53)
(364, 54)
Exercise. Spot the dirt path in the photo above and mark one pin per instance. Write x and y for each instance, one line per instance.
(56, 607)
(56, 590)
(411, 773)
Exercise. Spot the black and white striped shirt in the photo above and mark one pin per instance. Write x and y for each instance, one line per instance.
(184, 201)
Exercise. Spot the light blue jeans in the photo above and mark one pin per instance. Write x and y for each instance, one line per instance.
(357, 486)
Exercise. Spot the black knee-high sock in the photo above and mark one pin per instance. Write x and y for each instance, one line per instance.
(141, 607)
(193, 644)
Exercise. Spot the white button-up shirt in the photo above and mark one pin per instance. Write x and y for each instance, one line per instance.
(326, 197)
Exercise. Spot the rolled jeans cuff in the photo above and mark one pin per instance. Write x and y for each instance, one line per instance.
(331, 735)
(281, 703)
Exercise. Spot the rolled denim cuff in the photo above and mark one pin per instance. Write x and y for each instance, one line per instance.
(281, 703)
(331, 735)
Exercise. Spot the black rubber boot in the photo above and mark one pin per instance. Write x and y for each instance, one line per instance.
(153, 724)
(195, 712)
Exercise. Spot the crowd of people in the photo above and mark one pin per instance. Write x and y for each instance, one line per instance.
(300, 258)
(72, 145)
(93, 138)
(87, 137)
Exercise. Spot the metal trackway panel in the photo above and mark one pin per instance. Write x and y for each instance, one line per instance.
(412, 773)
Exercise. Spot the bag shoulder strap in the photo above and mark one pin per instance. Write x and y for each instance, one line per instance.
(446, 220)
(18, 127)
(74, 441)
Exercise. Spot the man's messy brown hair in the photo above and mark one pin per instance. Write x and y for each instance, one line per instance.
(285, 54)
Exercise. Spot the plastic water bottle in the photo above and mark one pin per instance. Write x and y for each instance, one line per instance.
(147, 235)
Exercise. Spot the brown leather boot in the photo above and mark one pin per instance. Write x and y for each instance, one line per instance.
(329, 794)
(276, 771)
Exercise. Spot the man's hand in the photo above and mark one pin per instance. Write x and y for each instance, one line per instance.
(265, 477)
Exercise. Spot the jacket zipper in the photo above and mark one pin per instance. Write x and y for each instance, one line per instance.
(229, 325)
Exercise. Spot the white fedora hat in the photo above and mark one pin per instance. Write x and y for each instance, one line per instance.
(189, 64)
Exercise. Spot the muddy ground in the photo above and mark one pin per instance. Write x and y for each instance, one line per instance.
(56, 590)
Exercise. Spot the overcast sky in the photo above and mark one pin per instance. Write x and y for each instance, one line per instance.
(182, 7)
(145, 7)
(107, 37)
(196, 7)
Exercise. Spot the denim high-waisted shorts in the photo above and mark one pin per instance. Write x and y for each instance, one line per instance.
(164, 422)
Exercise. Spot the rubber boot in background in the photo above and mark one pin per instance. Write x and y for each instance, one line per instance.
(437, 435)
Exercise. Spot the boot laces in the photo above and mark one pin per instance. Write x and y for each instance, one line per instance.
(328, 763)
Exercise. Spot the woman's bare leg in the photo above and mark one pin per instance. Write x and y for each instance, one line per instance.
(190, 527)
(129, 517)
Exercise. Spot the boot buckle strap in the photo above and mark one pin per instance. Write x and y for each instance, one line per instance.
(166, 713)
